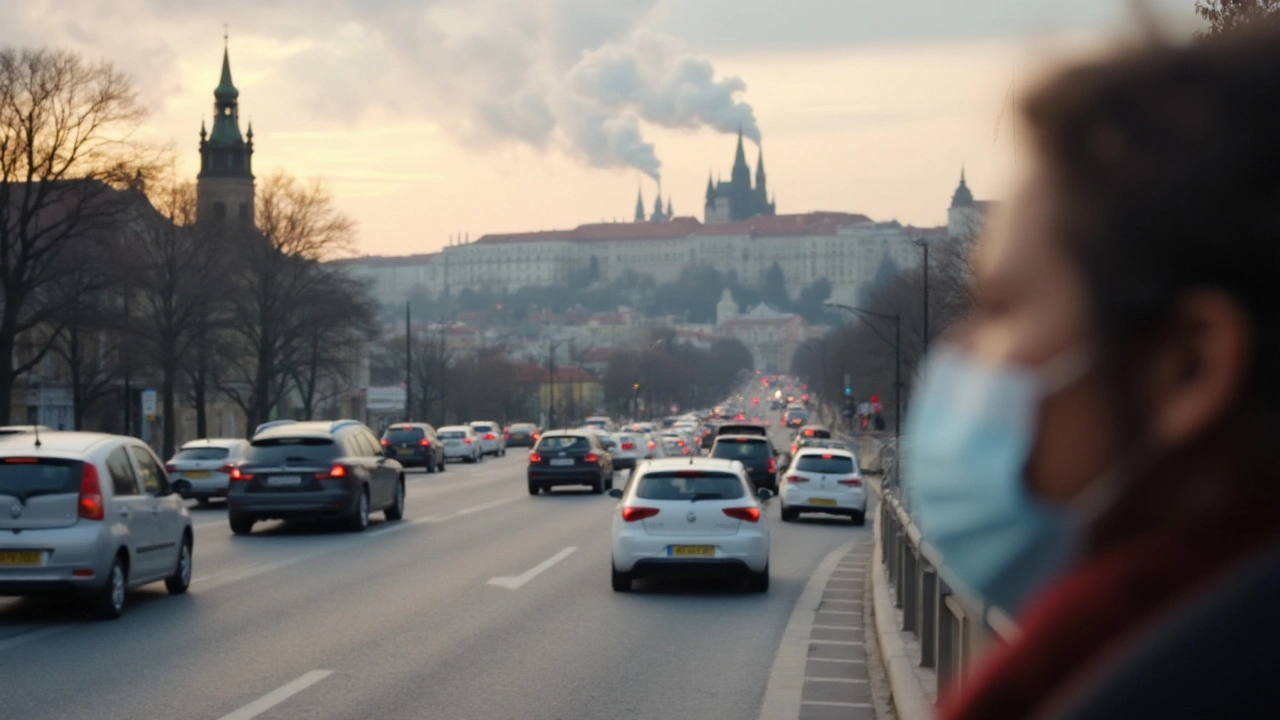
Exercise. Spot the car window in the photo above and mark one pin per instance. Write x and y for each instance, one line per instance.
(481, 429)
(285, 451)
(202, 453)
(564, 442)
(830, 464)
(690, 485)
(27, 477)
(123, 481)
(740, 449)
(404, 434)
(452, 434)
(152, 475)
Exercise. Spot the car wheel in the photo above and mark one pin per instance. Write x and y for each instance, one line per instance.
(759, 582)
(180, 580)
(789, 514)
(396, 511)
(241, 524)
(359, 520)
(860, 518)
(442, 465)
(533, 489)
(108, 602)
(597, 487)
(504, 452)
(202, 502)
(621, 581)
(430, 466)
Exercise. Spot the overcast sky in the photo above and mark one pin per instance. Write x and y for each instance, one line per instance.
(431, 118)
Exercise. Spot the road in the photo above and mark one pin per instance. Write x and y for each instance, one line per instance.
(484, 602)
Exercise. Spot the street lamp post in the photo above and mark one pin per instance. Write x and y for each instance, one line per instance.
(897, 356)
(924, 342)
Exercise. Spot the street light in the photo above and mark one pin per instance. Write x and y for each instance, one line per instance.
(897, 356)
(924, 342)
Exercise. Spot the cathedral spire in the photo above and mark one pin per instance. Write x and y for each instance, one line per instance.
(639, 205)
(740, 157)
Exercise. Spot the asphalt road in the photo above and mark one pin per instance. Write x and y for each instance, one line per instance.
(483, 603)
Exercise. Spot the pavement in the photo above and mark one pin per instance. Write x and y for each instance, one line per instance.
(484, 602)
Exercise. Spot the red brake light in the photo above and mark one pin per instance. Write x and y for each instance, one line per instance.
(628, 446)
(336, 472)
(238, 475)
(490, 436)
(773, 465)
(852, 482)
(826, 456)
(170, 468)
(90, 506)
(632, 514)
(424, 442)
(227, 469)
(534, 458)
(591, 458)
(750, 514)
(386, 443)
(795, 479)
(506, 436)
(689, 473)
(466, 441)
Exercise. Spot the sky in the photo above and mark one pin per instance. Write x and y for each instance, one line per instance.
(432, 120)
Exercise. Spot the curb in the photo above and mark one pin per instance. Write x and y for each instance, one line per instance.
(909, 698)
(786, 677)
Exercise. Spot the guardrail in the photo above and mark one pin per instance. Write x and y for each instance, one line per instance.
(950, 625)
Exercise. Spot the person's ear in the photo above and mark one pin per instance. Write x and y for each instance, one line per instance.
(1199, 368)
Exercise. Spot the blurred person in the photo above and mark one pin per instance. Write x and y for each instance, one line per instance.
(1096, 450)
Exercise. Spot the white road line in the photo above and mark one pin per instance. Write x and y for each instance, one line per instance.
(514, 583)
(26, 637)
(277, 696)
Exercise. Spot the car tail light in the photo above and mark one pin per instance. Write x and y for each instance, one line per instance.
(795, 449)
(424, 442)
(750, 514)
(490, 436)
(537, 435)
(773, 465)
(852, 482)
(386, 443)
(337, 472)
(90, 494)
(238, 475)
(534, 458)
(632, 514)
(795, 479)
(466, 441)
(506, 436)
(689, 473)
(591, 458)
(653, 445)
(628, 446)
(227, 469)
(170, 468)
(826, 456)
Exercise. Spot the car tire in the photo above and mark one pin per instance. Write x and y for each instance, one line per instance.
(108, 602)
(789, 514)
(180, 580)
(621, 581)
(533, 489)
(241, 524)
(202, 502)
(358, 521)
(442, 465)
(759, 582)
(859, 518)
(396, 510)
(597, 487)
(504, 452)
(430, 466)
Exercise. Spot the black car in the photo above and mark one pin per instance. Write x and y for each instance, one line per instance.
(315, 470)
(755, 453)
(742, 428)
(565, 457)
(414, 445)
(522, 435)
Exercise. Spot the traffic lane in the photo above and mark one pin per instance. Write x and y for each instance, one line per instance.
(566, 646)
(207, 653)
(222, 558)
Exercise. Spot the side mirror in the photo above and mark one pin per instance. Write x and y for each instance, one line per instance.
(615, 493)
(764, 494)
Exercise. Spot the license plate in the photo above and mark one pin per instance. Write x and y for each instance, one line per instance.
(452, 443)
(196, 474)
(821, 501)
(519, 436)
(404, 451)
(284, 480)
(561, 462)
(693, 551)
(19, 559)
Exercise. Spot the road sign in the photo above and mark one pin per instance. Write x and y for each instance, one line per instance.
(149, 403)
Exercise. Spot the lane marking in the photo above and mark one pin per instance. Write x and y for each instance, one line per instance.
(431, 519)
(515, 583)
(277, 696)
(26, 637)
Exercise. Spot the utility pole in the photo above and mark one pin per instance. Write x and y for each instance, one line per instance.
(924, 342)
(408, 365)
(551, 384)
(897, 357)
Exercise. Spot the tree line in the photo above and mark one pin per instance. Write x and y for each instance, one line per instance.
(108, 280)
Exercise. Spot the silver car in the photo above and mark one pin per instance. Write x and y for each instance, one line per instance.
(89, 514)
(201, 469)
(489, 435)
(460, 442)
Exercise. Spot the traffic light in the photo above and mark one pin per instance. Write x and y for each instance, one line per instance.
(848, 391)
(636, 387)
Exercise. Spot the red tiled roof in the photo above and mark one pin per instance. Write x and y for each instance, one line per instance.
(814, 223)
(597, 232)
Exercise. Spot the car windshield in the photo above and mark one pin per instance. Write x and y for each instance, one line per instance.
(826, 464)
(451, 434)
(481, 429)
(202, 453)
(521, 428)
(564, 443)
(291, 451)
(396, 436)
(740, 449)
(690, 485)
(25, 478)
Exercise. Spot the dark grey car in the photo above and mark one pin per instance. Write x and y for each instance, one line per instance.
(315, 470)
(414, 444)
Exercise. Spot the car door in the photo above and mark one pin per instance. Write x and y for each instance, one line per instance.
(154, 549)
(388, 469)
(131, 510)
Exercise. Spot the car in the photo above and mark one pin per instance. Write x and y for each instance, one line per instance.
(414, 445)
(270, 424)
(707, 437)
(315, 470)
(600, 422)
(755, 453)
(522, 435)
(22, 429)
(814, 431)
(673, 446)
(795, 416)
(690, 518)
(569, 457)
(741, 428)
(819, 443)
(631, 447)
(92, 516)
(824, 480)
(460, 442)
(201, 469)
(489, 435)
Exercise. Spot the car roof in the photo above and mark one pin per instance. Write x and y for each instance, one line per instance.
(697, 463)
(740, 438)
(309, 428)
(824, 451)
(211, 442)
(54, 443)
(814, 426)
(569, 433)
(482, 422)
(454, 427)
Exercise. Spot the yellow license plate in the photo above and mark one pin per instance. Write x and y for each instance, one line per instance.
(693, 551)
(196, 475)
(19, 559)
(821, 501)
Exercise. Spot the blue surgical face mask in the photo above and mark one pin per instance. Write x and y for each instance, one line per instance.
(970, 433)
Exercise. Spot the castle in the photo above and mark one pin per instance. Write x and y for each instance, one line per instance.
(731, 201)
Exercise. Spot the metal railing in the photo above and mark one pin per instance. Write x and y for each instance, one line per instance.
(950, 625)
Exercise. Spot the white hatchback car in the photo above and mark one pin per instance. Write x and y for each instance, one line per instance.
(489, 435)
(460, 442)
(201, 469)
(690, 517)
(824, 480)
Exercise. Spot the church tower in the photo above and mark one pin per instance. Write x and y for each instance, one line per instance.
(741, 197)
(224, 187)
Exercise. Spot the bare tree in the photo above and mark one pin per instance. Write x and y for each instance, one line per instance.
(1227, 15)
(66, 142)
(340, 315)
